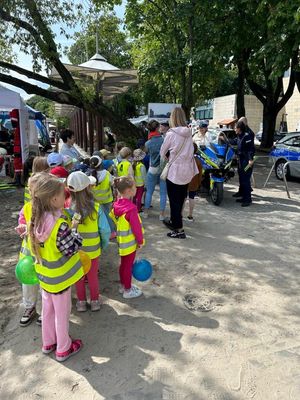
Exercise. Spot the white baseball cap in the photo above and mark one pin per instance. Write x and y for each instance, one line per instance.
(78, 181)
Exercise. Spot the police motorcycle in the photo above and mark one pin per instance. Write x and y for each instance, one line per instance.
(216, 159)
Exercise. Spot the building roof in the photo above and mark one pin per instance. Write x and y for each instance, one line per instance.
(228, 121)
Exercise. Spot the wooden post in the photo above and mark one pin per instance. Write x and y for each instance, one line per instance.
(91, 133)
(84, 130)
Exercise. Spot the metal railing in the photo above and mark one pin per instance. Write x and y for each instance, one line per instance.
(284, 170)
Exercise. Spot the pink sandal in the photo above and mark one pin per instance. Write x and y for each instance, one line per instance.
(76, 346)
(49, 349)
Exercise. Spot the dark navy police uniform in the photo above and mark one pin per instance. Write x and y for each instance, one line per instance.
(245, 152)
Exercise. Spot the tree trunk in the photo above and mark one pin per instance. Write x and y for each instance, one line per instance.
(240, 93)
(269, 124)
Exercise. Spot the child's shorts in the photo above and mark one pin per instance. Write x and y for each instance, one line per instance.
(192, 194)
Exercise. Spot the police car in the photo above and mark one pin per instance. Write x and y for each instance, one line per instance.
(287, 149)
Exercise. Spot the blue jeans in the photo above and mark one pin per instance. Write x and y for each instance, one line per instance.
(152, 181)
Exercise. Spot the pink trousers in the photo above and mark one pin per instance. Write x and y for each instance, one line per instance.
(125, 270)
(138, 197)
(93, 282)
(56, 309)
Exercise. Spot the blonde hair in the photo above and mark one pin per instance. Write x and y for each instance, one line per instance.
(34, 179)
(39, 165)
(123, 183)
(84, 203)
(45, 189)
(177, 118)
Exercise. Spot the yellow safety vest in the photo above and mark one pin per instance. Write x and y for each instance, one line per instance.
(126, 240)
(138, 177)
(102, 192)
(57, 271)
(27, 196)
(25, 247)
(89, 231)
(123, 168)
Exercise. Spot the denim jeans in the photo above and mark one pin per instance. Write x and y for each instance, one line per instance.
(152, 181)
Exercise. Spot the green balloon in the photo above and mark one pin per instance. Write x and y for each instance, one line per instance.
(25, 271)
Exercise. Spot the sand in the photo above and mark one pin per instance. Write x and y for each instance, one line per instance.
(219, 319)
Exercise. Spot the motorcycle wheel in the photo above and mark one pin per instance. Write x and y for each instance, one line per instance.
(216, 193)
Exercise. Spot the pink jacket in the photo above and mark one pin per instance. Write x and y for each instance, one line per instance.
(184, 168)
(125, 206)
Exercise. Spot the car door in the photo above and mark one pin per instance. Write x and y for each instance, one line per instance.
(294, 155)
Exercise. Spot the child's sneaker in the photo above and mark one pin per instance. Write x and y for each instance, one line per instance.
(121, 289)
(28, 316)
(81, 306)
(190, 218)
(132, 293)
(76, 346)
(161, 217)
(39, 321)
(95, 305)
(49, 349)
(144, 214)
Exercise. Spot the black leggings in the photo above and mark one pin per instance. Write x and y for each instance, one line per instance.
(177, 195)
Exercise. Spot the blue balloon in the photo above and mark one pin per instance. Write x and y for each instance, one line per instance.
(142, 270)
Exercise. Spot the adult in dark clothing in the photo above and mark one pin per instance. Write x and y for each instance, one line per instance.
(245, 153)
(248, 129)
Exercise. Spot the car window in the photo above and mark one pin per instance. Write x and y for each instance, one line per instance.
(296, 142)
(290, 141)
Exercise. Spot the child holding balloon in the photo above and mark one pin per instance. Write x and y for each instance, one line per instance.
(55, 245)
(129, 233)
(95, 231)
(29, 291)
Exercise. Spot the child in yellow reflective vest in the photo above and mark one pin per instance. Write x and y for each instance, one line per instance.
(102, 190)
(95, 231)
(57, 263)
(139, 176)
(129, 233)
(30, 292)
(124, 167)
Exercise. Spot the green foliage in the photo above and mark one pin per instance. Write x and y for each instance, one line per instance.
(113, 44)
(43, 105)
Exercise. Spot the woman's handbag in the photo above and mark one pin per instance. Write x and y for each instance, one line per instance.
(165, 171)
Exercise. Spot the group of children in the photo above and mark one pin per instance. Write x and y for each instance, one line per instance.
(66, 213)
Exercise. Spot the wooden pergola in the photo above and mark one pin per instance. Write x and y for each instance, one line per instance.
(87, 126)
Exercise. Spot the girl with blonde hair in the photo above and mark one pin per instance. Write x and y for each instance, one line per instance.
(55, 247)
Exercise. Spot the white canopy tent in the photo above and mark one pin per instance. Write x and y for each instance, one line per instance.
(10, 100)
(113, 80)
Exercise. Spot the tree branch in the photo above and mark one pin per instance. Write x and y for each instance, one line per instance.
(33, 75)
(257, 90)
(59, 97)
(288, 93)
(47, 46)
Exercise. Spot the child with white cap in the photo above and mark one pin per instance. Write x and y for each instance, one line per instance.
(102, 190)
(94, 229)
(139, 176)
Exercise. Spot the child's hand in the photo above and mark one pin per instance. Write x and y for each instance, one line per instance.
(21, 230)
(139, 246)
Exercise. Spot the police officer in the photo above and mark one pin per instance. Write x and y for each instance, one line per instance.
(245, 152)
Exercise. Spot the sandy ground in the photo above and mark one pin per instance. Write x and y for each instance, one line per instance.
(241, 264)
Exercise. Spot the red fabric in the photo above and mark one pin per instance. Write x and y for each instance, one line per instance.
(93, 282)
(153, 134)
(138, 197)
(125, 270)
(59, 171)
